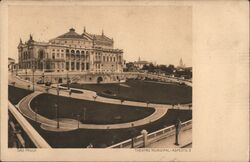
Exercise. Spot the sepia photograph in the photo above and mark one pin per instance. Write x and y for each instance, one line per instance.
(86, 79)
(124, 80)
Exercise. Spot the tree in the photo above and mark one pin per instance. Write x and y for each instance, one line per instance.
(130, 66)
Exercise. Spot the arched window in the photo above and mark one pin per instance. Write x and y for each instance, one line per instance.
(72, 52)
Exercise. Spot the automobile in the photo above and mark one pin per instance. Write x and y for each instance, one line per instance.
(40, 82)
(48, 83)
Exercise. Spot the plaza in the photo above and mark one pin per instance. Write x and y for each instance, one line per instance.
(106, 119)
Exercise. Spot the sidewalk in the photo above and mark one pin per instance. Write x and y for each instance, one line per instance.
(185, 137)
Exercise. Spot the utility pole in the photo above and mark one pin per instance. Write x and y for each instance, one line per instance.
(33, 78)
(57, 106)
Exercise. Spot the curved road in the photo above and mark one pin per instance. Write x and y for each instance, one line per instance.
(70, 124)
(66, 125)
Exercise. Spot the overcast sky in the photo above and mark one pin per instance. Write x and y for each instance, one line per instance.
(159, 34)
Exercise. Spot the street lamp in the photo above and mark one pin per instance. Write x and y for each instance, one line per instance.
(36, 111)
(26, 73)
(133, 134)
(33, 80)
(17, 69)
(36, 114)
(119, 86)
(68, 81)
(177, 131)
(57, 114)
(43, 77)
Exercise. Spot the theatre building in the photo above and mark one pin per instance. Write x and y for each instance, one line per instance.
(73, 52)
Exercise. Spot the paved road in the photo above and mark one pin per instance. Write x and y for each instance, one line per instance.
(66, 124)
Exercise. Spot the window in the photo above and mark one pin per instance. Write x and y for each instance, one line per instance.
(62, 55)
(53, 56)
(67, 65)
(57, 55)
(61, 50)
(72, 66)
(53, 49)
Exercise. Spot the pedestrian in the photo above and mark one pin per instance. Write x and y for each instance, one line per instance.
(70, 92)
(177, 130)
(90, 145)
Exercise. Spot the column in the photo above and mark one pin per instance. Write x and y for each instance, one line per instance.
(69, 65)
(75, 64)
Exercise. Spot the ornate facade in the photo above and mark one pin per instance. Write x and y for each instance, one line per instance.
(71, 51)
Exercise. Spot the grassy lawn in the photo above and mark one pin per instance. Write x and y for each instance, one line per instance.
(95, 113)
(103, 138)
(15, 94)
(144, 91)
(90, 112)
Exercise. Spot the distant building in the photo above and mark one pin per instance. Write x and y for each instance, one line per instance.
(140, 63)
(88, 53)
(11, 64)
(181, 65)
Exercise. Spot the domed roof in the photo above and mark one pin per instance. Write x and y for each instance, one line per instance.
(71, 34)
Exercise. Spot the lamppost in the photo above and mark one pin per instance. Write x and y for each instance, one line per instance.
(43, 77)
(119, 86)
(177, 131)
(36, 111)
(58, 90)
(36, 114)
(26, 73)
(133, 134)
(68, 80)
(57, 118)
(33, 78)
(17, 69)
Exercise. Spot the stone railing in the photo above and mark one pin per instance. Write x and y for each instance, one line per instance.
(35, 137)
(146, 139)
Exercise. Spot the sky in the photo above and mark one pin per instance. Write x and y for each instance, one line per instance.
(158, 34)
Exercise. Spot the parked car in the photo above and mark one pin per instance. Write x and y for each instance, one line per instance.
(40, 82)
(48, 83)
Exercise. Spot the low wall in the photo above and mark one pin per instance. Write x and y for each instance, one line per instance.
(153, 137)
(29, 130)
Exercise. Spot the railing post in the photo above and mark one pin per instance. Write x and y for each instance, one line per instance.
(145, 137)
